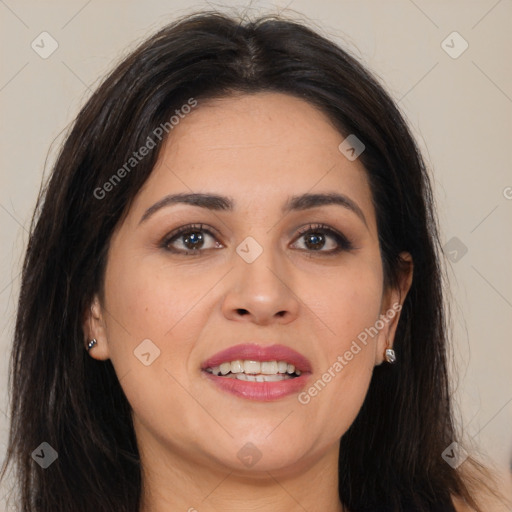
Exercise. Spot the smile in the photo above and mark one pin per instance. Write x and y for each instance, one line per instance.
(256, 371)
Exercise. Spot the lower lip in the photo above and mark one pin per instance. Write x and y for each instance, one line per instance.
(262, 391)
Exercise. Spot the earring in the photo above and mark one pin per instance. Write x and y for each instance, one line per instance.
(91, 344)
(390, 355)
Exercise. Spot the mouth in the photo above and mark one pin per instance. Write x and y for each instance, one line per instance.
(257, 372)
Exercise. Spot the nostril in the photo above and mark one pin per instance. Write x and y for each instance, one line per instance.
(242, 311)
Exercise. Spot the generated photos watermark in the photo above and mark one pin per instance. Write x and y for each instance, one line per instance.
(342, 360)
(157, 134)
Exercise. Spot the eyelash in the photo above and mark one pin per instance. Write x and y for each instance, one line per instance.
(344, 244)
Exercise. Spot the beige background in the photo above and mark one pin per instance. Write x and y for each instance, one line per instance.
(459, 108)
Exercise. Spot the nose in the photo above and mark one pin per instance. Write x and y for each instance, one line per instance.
(260, 292)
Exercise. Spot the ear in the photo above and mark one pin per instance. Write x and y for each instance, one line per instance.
(94, 327)
(391, 307)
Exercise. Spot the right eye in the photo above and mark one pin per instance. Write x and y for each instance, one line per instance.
(190, 240)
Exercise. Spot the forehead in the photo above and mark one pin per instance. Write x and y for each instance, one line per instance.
(260, 145)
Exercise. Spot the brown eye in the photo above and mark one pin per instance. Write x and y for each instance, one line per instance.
(193, 240)
(190, 240)
(314, 241)
(321, 239)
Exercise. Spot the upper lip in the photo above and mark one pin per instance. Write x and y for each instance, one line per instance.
(256, 352)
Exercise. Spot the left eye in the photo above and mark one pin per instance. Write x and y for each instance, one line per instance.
(321, 239)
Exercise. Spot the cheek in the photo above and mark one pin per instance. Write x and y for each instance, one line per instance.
(349, 305)
(151, 300)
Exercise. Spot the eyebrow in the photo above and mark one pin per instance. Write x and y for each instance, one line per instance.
(224, 203)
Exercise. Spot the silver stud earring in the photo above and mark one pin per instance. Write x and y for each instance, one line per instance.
(91, 344)
(390, 355)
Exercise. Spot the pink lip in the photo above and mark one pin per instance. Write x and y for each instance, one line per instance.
(262, 391)
(254, 352)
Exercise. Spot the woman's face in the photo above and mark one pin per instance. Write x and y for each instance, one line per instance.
(274, 259)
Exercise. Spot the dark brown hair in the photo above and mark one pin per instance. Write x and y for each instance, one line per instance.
(390, 458)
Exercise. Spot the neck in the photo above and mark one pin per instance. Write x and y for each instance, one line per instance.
(171, 481)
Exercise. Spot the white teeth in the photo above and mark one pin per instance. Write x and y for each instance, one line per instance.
(252, 367)
(225, 368)
(237, 366)
(282, 366)
(256, 370)
(262, 378)
(269, 368)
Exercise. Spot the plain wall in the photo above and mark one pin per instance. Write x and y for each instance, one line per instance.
(460, 110)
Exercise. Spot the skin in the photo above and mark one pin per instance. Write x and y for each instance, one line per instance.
(259, 150)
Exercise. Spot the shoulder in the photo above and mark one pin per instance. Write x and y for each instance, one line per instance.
(485, 502)
(460, 505)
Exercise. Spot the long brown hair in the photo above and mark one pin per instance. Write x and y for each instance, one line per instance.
(390, 458)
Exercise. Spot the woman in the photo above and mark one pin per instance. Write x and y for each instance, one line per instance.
(231, 297)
